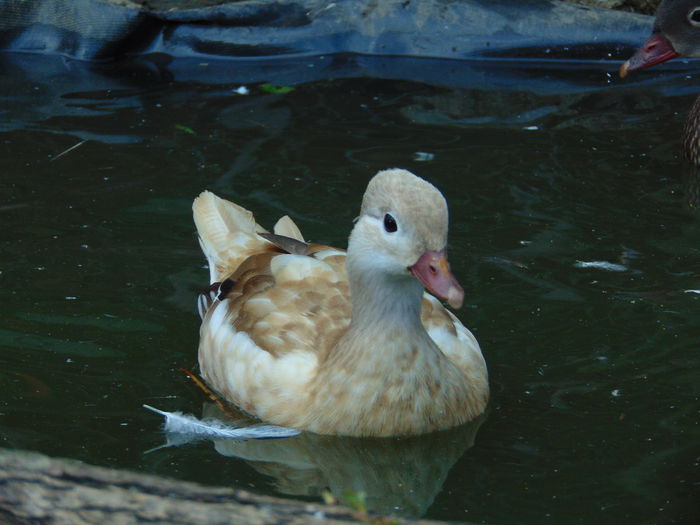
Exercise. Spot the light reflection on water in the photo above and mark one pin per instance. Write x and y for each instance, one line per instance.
(594, 373)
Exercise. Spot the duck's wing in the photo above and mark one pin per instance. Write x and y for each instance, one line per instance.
(275, 303)
(260, 342)
(279, 290)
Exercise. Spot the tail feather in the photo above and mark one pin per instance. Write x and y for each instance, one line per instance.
(287, 227)
(227, 234)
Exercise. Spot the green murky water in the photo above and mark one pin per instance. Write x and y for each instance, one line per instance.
(595, 373)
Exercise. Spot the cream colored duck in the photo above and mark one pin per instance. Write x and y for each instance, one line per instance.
(314, 338)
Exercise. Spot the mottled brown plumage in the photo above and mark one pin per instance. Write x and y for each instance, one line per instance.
(691, 134)
(313, 338)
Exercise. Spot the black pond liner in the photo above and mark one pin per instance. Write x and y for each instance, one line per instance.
(52, 49)
(290, 41)
(102, 30)
(460, 43)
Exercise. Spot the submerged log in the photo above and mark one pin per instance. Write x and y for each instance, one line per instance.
(35, 488)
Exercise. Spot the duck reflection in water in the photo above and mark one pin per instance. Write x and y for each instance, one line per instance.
(399, 476)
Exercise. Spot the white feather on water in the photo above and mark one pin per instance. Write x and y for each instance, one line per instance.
(189, 426)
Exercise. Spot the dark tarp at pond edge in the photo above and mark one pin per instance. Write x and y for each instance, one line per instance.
(100, 30)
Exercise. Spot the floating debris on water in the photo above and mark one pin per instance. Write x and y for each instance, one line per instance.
(65, 152)
(185, 424)
(185, 129)
(506, 261)
(601, 265)
(241, 90)
(276, 89)
(422, 156)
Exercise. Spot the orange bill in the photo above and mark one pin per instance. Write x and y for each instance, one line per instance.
(654, 51)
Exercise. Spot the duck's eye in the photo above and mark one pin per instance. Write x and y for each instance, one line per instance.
(694, 16)
(390, 224)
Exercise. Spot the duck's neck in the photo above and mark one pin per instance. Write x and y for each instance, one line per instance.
(386, 325)
(380, 301)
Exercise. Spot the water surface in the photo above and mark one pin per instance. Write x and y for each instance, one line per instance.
(547, 167)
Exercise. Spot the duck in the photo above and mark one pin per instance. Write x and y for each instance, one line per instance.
(340, 342)
(676, 33)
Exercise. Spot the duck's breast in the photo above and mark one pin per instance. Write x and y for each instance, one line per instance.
(459, 345)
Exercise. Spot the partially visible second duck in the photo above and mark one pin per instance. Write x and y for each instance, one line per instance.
(676, 33)
(314, 338)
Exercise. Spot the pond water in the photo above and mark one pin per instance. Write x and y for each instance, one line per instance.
(547, 167)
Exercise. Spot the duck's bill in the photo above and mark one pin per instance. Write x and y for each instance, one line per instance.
(433, 271)
(654, 51)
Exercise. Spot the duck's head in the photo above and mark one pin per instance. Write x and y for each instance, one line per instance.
(402, 233)
(676, 32)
